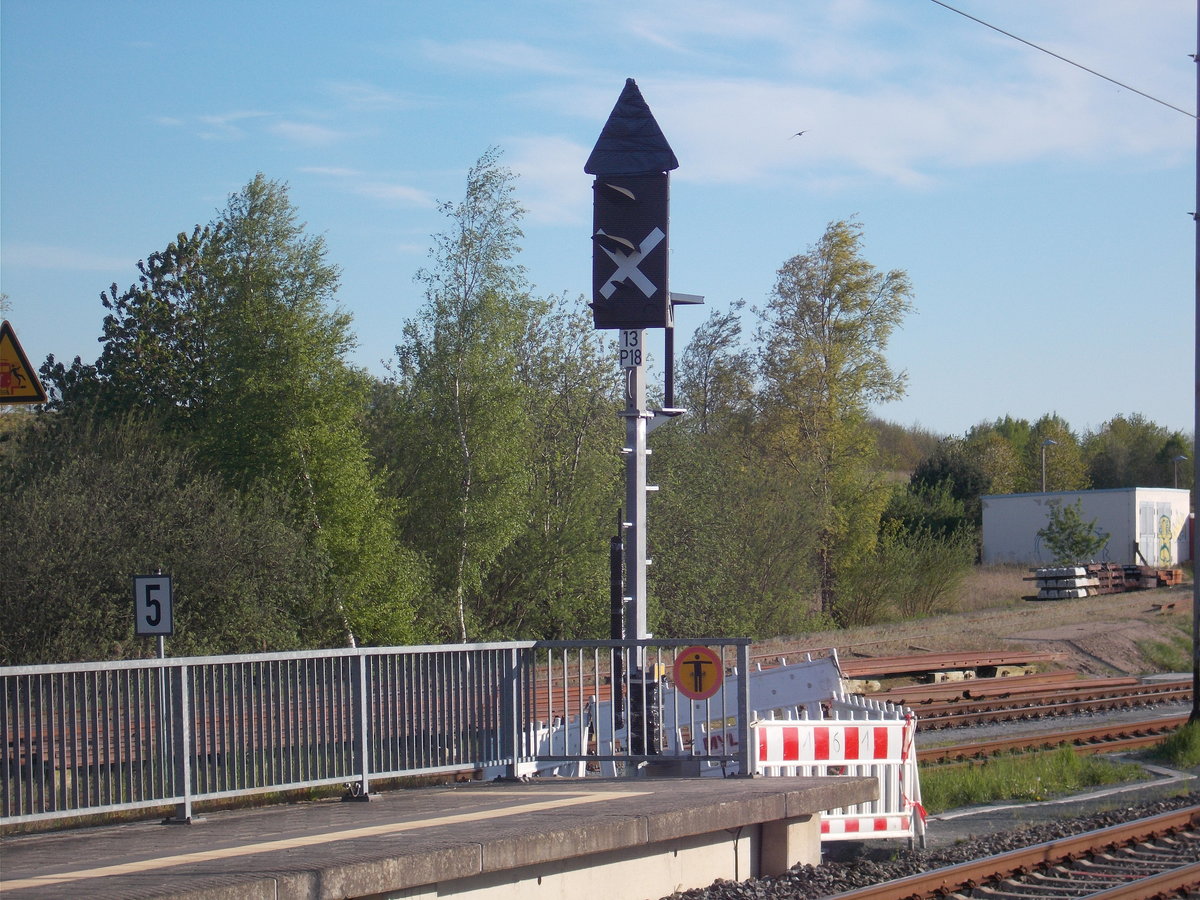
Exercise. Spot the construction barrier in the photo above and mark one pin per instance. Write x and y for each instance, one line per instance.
(879, 749)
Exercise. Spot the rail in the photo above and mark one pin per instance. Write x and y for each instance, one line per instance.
(94, 738)
(1152, 857)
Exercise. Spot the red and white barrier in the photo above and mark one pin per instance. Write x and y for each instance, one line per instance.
(882, 749)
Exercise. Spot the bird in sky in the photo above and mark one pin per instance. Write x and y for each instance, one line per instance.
(798, 133)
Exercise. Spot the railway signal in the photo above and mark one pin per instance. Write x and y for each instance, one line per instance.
(631, 162)
(630, 217)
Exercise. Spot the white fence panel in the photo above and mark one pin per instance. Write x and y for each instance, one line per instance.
(882, 748)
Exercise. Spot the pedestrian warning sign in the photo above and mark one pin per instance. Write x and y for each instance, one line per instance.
(18, 381)
(698, 673)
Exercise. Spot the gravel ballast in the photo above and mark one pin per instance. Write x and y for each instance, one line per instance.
(859, 865)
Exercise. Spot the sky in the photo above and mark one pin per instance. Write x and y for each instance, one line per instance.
(1042, 213)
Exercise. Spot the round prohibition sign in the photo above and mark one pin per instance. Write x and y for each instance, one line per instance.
(698, 673)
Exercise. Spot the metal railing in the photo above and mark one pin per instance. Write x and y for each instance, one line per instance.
(93, 738)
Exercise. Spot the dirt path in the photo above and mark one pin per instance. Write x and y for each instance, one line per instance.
(1097, 636)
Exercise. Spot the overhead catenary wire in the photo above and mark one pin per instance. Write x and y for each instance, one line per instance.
(1059, 56)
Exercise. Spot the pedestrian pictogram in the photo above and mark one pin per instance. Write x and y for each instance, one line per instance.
(18, 381)
(698, 673)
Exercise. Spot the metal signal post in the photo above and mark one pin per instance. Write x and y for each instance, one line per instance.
(633, 368)
(630, 292)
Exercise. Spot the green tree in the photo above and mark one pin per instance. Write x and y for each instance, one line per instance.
(917, 506)
(1132, 451)
(1065, 466)
(1068, 537)
(231, 340)
(902, 447)
(715, 380)
(982, 462)
(156, 343)
(731, 541)
(730, 534)
(822, 364)
(467, 429)
(909, 574)
(76, 385)
(551, 581)
(96, 501)
(286, 407)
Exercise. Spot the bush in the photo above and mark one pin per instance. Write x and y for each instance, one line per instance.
(95, 504)
(1068, 537)
(910, 574)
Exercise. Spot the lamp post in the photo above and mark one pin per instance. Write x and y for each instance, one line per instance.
(1177, 460)
(1048, 442)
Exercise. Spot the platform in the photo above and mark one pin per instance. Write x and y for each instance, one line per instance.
(631, 838)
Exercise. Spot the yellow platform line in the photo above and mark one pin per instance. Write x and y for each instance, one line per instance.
(184, 859)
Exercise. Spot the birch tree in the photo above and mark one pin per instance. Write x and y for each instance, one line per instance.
(467, 433)
(823, 336)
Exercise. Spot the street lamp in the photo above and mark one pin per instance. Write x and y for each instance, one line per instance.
(1048, 442)
(1177, 460)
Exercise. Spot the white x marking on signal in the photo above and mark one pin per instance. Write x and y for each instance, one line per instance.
(627, 265)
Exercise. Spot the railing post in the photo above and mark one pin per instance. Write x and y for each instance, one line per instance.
(361, 789)
(745, 755)
(510, 718)
(182, 749)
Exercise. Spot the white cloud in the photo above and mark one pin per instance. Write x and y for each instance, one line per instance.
(553, 187)
(366, 96)
(400, 194)
(307, 133)
(496, 55)
(48, 256)
(740, 130)
(226, 126)
(331, 171)
(877, 103)
(367, 185)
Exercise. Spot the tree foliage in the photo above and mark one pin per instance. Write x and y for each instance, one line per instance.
(716, 375)
(287, 408)
(1064, 464)
(222, 435)
(466, 418)
(230, 342)
(822, 364)
(157, 353)
(1068, 537)
(1131, 451)
(552, 580)
(911, 573)
(97, 501)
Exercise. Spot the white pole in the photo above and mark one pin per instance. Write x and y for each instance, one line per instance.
(632, 346)
(1195, 715)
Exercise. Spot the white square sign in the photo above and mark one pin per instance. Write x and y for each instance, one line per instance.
(152, 605)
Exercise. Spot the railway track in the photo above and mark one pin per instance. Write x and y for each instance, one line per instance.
(1153, 857)
(949, 690)
(1080, 697)
(1109, 737)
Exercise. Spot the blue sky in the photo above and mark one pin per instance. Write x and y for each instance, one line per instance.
(1042, 213)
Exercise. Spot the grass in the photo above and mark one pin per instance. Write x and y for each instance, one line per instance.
(1172, 655)
(1181, 750)
(992, 587)
(1030, 777)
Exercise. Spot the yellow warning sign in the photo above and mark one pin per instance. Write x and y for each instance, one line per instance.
(18, 381)
(698, 673)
